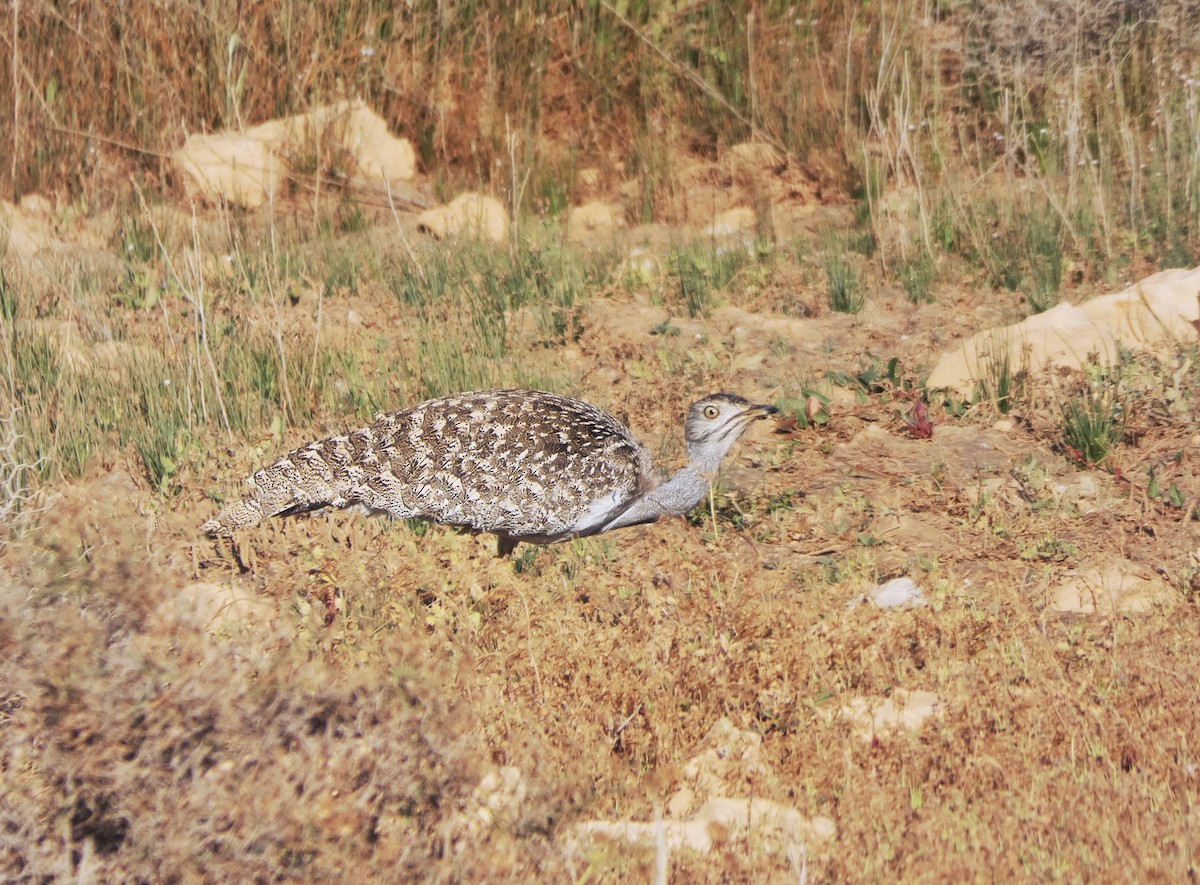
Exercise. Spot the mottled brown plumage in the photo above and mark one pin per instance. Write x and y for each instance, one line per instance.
(523, 464)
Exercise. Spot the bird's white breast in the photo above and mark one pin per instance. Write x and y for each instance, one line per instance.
(599, 512)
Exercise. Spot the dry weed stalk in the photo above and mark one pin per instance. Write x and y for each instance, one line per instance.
(17, 474)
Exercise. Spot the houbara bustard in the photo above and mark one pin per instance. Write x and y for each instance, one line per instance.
(523, 464)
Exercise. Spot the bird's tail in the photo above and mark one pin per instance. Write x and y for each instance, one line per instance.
(305, 479)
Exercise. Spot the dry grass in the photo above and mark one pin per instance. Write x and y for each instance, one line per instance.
(325, 697)
(343, 721)
(322, 700)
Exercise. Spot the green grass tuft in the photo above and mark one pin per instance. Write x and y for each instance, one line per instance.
(1093, 421)
(703, 268)
(846, 294)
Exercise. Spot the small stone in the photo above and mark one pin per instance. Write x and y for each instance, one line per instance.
(897, 593)
(903, 711)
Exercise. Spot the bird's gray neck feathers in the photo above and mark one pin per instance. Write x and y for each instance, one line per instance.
(705, 457)
(676, 496)
(683, 491)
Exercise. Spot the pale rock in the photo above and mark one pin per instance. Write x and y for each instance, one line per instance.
(733, 222)
(758, 154)
(1155, 315)
(729, 764)
(1120, 587)
(770, 826)
(714, 804)
(240, 623)
(499, 797)
(377, 157)
(37, 204)
(228, 168)
(640, 266)
(470, 216)
(246, 168)
(902, 711)
(589, 177)
(22, 233)
(592, 221)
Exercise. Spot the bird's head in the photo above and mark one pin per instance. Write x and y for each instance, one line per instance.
(714, 425)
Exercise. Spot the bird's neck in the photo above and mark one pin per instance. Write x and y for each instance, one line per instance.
(683, 491)
(705, 460)
(676, 496)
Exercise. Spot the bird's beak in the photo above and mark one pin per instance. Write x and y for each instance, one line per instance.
(757, 412)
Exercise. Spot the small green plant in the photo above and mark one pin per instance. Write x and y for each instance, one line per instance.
(845, 291)
(343, 270)
(877, 378)
(523, 560)
(1044, 249)
(1047, 549)
(1172, 495)
(138, 251)
(810, 409)
(1000, 383)
(550, 280)
(917, 275)
(701, 268)
(1094, 421)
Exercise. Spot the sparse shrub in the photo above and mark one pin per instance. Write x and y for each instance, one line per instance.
(810, 409)
(343, 270)
(917, 275)
(1044, 250)
(1000, 383)
(430, 275)
(1005, 259)
(1094, 420)
(444, 367)
(1172, 494)
(549, 279)
(845, 290)
(1046, 40)
(703, 267)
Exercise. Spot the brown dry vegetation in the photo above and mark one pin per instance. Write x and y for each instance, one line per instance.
(321, 699)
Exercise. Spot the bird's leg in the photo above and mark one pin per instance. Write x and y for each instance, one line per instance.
(505, 545)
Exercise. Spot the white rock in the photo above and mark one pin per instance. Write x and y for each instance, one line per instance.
(757, 153)
(896, 593)
(732, 222)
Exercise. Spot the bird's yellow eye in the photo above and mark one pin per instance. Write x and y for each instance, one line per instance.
(710, 412)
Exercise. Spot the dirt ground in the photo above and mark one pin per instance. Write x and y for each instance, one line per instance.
(334, 696)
